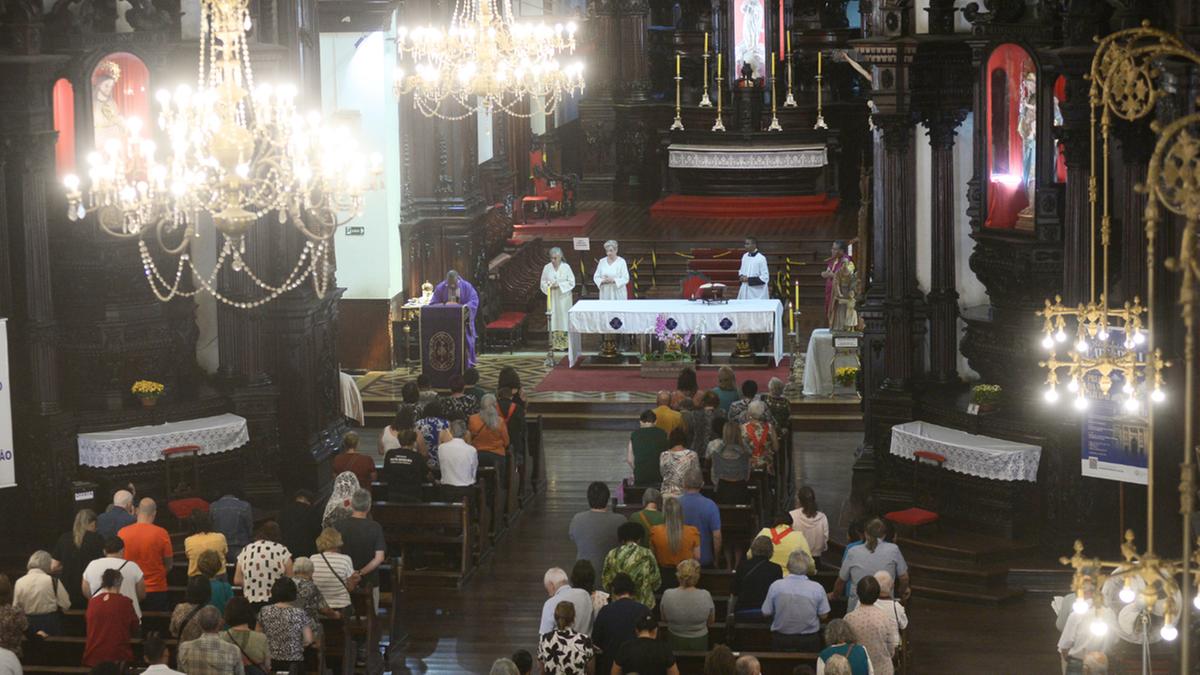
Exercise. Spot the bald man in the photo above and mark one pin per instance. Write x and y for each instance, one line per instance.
(665, 417)
(748, 665)
(149, 546)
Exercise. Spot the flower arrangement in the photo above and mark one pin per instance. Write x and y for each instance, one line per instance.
(985, 395)
(147, 389)
(846, 376)
(675, 342)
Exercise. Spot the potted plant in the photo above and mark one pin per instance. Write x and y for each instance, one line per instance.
(148, 392)
(673, 358)
(846, 377)
(986, 396)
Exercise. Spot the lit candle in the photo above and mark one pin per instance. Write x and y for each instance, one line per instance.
(705, 42)
(792, 320)
(795, 294)
(676, 65)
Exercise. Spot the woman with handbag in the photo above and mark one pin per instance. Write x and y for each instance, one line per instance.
(256, 653)
(41, 596)
(333, 571)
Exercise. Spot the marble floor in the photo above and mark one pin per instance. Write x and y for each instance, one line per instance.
(497, 612)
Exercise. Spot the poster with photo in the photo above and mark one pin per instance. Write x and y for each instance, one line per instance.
(1114, 437)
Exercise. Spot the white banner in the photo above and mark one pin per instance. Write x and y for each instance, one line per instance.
(7, 474)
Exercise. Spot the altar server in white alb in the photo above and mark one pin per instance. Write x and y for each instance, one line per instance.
(558, 280)
(612, 274)
(753, 273)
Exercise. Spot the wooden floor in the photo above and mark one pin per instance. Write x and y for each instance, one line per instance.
(498, 611)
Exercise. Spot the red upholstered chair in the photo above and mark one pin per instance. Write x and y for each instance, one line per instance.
(506, 331)
(916, 516)
(544, 192)
(691, 285)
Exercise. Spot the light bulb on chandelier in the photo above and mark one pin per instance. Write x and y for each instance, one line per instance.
(1061, 335)
(1132, 405)
(1158, 395)
(1127, 594)
(1081, 403)
(1082, 346)
(1080, 606)
(1098, 627)
(1073, 385)
(1169, 632)
(1051, 394)
(1048, 342)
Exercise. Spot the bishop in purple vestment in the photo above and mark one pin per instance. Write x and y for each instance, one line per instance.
(458, 291)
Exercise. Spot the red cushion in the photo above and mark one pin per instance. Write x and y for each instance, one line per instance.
(507, 321)
(912, 517)
(931, 456)
(182, 508)
(534, 198)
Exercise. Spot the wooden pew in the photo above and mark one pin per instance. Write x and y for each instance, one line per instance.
(66, 651)
(430, 495)
(75, 622)
(537, 455)
(438, 526)
(773, 663)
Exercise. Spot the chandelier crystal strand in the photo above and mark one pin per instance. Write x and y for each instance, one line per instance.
(235, 152)
(486, 60)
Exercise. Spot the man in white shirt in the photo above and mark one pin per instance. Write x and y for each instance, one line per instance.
(753, 274)
(133, 583)
(459, 462)
(1079, 638)
(558, 587)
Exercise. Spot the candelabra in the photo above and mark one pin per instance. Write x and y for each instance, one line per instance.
(719, 125)
(677, 125)
(774, 126)
(820, 107)
(790, 100)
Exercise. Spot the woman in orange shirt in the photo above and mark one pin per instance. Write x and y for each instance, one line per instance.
(673, 541)
(488, 432)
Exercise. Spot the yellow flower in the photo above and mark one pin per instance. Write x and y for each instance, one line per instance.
(147, 388)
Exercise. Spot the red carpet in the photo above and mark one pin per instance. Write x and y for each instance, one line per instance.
(582, 378)
(743, 207)
(575, 226)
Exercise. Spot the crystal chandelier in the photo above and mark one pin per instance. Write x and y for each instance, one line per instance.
(486, 60)
(235, 153)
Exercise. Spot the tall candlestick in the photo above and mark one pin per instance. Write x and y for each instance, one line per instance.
(704, 100)
(719, 125)
(678, 123)
(820, 112)
(774, 126)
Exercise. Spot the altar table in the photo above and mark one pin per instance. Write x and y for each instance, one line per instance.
(135, 445)
(981, 456)
(638, 317)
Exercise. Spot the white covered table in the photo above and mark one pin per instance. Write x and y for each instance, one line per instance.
(638, 317)
(135, 445)
(981, 456)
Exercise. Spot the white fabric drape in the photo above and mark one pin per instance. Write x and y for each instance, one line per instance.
(145, 444)
(973, 455)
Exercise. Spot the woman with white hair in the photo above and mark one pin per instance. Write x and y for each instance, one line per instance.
(842, 643)
(759, 436)
(42, 597)
(308, 595)
(488, 433)
(558, 281)
(612, 274)
(778, 404)
(887, 603)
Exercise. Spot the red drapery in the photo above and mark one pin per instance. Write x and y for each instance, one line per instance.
(1006, 190)
(64, 124)
(1060, 157)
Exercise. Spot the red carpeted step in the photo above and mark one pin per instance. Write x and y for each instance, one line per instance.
(695, 206)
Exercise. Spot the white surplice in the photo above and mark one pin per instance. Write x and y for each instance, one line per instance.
(754, 266)
(619, 272)
(558, 284)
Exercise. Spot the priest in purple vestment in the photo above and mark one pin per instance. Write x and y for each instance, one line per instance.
(458, 291)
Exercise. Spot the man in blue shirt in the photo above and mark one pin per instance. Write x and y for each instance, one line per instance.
(796, 606)
(118, 515)
(703, 514)
(233, 518)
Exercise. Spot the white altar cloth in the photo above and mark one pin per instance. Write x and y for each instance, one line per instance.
(817, 359)
(135, 445)
(638, 317)
(973, 455)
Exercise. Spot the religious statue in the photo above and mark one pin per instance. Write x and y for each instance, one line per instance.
(750, 46)
(107, 123)
(841, 290)
(1027, 130)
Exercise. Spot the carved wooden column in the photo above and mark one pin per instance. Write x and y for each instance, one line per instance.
(633, 18)
(26, 131)
(903, 299)
(943, 294)
(1075, 136)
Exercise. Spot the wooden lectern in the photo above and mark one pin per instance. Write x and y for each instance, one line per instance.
(443, 343)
